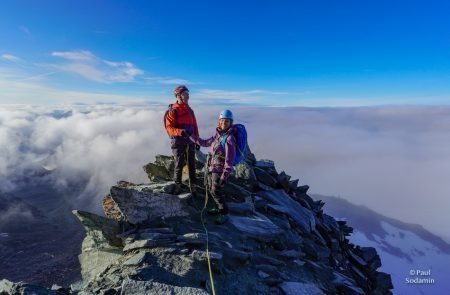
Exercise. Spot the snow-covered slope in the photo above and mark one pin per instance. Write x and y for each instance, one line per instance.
(417, 260)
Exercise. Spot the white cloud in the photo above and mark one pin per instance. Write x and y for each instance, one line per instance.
(19, 90)
(86, 71)
(394, 160)
(92, 67)
(168, 80)
(10, 57)
(15, 212)
(234, 96)
(76, 55)
(102, 143)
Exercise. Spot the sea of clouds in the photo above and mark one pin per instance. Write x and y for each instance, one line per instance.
(394, 160)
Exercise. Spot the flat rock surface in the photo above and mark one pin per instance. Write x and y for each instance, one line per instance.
(257, 225)
(132, 287)
(285, 204)
(297, 288)
(140, 207)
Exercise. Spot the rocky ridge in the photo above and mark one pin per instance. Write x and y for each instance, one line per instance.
(278, 240)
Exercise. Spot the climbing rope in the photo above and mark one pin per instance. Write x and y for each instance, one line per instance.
(205, 182)
(207, 243)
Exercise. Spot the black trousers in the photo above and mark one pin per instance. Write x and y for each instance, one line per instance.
(217, 192)
(181, 154)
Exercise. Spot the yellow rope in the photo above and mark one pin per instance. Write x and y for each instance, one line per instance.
(207, 243)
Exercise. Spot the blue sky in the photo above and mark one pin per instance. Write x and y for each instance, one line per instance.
(311, 53)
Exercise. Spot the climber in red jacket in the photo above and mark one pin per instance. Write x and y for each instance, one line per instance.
(180, 123)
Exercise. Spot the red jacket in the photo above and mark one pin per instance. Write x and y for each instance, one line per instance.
(180, 117)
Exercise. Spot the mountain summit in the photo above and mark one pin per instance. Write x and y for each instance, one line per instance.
(277, 241)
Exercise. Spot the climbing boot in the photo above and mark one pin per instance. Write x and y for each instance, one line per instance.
(176, 189)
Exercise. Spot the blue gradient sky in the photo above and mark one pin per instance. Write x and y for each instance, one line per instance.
(312, 53)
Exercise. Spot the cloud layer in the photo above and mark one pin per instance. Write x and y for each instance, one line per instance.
(103, 144)
(395, 160)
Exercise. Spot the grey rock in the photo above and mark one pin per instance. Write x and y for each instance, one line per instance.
(193, 238)
(146, 244)
(157, 236)
(291, 253)
(359, 275)
(309, 247)
(272, 281)
(270, 269)
(6, 287)
(115, 279)
(163, 186)
(101, 247)
(260, 204)
(263, 275)
(77, 286)
(358, 260)
(132, 287)
(298, 288)
(346, 284)
(166, 161)
(103, 231)
(369, 254)
(244, 208)
(264, 259)
(236, 256)
(257, 226)
(97, 261)
(383, 281)
(330, 223)
(264, 187)
(264, 177)
(136, 259)
(202, 255)
(303, 189)
(283, 180)
(319, 236)
(293, 184)
(274, 237)
(323, 252)
(155, 171)
(285, 204)
(161, 230)
(145, 207)
(236, 190)
(265, 164)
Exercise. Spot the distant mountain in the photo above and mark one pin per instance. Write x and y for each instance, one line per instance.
(39, 237)
(405, 249)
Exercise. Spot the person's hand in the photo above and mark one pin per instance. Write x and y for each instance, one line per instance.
(222, 182)
(184, 133)
(197, 147)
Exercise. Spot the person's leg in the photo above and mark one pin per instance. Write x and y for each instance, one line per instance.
(191, 166)
(218, 194)
(179, 155)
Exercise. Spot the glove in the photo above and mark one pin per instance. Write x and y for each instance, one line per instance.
(197, 147)
(184, 133)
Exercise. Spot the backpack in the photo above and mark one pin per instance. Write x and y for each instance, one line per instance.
(240, 134)
(170, 107)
